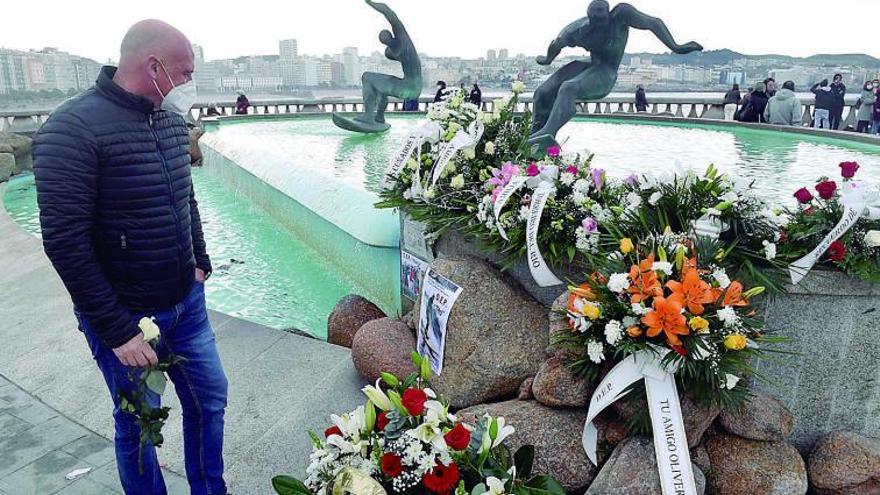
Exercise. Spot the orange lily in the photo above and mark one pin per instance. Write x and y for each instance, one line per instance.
(666, 317)
(692, 292)
(645, 284)
(733, 296)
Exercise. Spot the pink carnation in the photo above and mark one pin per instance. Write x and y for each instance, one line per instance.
(533, 170)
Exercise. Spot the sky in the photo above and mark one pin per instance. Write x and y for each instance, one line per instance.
(465, 28)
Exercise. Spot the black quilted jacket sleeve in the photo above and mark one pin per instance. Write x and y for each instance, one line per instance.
(66, 171)
(200, 250)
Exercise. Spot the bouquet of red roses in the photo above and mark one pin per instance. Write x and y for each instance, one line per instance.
(406, 441)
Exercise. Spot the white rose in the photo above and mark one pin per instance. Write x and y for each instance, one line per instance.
(470, 153)
(149, 329)
(770, 250)
(655, 198)
(730, 381)
(662, 266)
(872, 238)
(490, 148)
(518, 87)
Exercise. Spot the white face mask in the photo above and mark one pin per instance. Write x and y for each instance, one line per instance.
(181, 98)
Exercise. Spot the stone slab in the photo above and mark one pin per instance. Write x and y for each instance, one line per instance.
(833, 382)
(43, 476)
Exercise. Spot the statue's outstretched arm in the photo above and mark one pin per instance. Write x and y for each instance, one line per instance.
(389, 14)
(553, 51)
(639, 20)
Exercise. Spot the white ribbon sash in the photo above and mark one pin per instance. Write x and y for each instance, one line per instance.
(462, 139)
(670, 441)
(509, 190)
(859, 201)
(544, 187)
(430, 132)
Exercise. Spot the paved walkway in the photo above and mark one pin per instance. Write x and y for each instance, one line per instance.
(55, 412)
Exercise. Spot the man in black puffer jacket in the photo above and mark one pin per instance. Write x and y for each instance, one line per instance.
(121, 226)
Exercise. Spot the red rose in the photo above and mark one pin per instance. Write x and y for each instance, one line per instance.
(803, 195)
(441, 479)
(414, 401)
(333, 430)
(382, 421)
(391, 465)
(783, 236)
(826, 189)
(458, 438)
(837, 251)
(848, 169)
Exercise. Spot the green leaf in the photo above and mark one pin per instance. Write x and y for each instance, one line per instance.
(285, 485)
(156, 381)
(546, 484)
(425, 370)
(523, 459)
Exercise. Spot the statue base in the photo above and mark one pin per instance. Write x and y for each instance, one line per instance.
(355, 125)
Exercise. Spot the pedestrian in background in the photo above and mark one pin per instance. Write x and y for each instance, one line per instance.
(824, 103)
(784, 108)
(865, 114)
(770, 83)
(838, 91)
(731, 102)
(754, 110)
(641, 99)
(476, 95)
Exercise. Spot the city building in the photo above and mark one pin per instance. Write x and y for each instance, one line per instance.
(491, 56)
(352, 66)
(288, 49)
(503, 54)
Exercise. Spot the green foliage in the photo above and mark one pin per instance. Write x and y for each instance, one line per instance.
(285, 485)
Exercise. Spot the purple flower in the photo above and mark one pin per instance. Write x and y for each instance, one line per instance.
(590, 225)
(533, 170)
(572, 169)
(501, 178)
(633, 180)
(598, 178)
(554, 151)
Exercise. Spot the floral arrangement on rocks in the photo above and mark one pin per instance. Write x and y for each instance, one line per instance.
(715, 207)
(405, 441)
(857, 252)
(487, 193)
(660, 295)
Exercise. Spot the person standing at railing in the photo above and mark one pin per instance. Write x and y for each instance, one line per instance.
(824, 104)
(838, 91)
(754, 110)
(242, 104)
(441, 91)
(476, 95)
(641, 99)
(785, 108)
(771, 87)
(731, 101)
(866, 108)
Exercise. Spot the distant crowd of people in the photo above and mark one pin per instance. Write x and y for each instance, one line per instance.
(764, 103)
(475, 95)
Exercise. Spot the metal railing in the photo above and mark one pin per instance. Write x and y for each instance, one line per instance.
(684, 107)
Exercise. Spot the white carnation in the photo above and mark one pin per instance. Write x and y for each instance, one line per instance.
(769, 250)
(629, 321)
(582, 185)
(613, 332)
(633, 201)
(728, 316)
(490, 148)
(578, 198)
(596, 351)
(567, 178)
(618, 283)
(639, 309)
(655, 198)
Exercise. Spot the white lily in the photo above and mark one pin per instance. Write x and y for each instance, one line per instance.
(377, 396)
(504, 431)
(429, 430)
(495, 485)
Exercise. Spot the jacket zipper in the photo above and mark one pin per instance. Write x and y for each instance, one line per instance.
(170, 194)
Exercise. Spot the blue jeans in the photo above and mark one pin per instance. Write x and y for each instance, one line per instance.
(875, 127)
(201, 386)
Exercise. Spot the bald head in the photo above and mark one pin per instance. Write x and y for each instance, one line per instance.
(154, 57)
